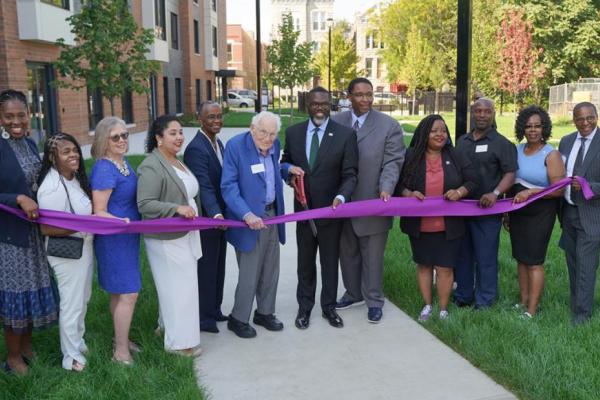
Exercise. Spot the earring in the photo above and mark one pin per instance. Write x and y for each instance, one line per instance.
(160, 142)
(5, 134)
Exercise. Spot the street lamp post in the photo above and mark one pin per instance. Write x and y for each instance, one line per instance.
(329, 24)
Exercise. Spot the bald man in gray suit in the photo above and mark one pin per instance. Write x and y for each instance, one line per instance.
(580, 218)
(362, 244)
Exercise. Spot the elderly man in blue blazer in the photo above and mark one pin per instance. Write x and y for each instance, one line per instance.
(252, 188)
(204, 156)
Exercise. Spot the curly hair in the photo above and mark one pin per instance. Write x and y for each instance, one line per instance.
(50, 156)
(418, 145)
(157, 129)
(524, 116)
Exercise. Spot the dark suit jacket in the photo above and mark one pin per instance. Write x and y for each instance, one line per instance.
(13, 230)
(589, 210)
(201, 159)
(458, 172)
(335, 169)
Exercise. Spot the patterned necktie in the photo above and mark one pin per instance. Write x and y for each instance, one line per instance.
(314, 148)
(356, 125)
(577, 197)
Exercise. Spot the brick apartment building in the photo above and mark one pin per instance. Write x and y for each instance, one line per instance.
(190, 44)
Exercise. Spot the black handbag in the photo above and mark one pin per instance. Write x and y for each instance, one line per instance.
(65, 246)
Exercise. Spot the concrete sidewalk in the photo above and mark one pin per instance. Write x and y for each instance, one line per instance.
(396, 359)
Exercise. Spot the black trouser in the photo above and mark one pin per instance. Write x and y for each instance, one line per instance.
(211, 275)
(328, 243)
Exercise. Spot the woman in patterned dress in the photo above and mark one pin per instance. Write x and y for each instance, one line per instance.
(27, 298)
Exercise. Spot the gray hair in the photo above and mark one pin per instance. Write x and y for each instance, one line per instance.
(257, 119)
(206, 104)
(101, 135)
(485, 100)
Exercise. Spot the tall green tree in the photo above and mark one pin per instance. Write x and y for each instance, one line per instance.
(343, 57)
(290, 61)
(485, 47)
(569, 33)
(412, 70)
(109, 52)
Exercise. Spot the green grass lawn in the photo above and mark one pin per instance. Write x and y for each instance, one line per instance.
(156, 374)
(544, 358)
(506, 126)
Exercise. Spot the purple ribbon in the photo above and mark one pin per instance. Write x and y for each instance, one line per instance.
(396, 206)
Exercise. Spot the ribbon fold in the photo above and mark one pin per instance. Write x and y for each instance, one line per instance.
(395, 206)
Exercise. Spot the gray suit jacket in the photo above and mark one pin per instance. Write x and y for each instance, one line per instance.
(380, 157)
(589, 211)
(160, 192)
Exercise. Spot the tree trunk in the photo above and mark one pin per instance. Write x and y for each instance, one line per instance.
(291, 103)
(279, 96)
(414, 104)
(112, 105)
(436, 103)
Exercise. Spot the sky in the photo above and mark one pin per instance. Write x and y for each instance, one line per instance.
(243, 12)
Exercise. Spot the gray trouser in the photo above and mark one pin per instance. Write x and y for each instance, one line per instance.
(258, 276)
(361, 260)
(582, 252)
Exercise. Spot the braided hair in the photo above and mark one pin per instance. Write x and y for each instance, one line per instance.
(51, 154)
(14, 95)
(418, 146)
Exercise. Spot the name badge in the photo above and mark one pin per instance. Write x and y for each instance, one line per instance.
(481, 148)
(256, 168)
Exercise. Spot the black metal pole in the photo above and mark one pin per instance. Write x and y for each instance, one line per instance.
(329, 63)
(257, 103)
(463, 65)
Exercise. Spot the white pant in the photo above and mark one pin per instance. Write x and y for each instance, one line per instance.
(74, 278)
(175, 272)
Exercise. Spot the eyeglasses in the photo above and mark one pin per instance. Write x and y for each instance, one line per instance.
(536, 126)
(589, 118)
(263, 134)
(116, 138)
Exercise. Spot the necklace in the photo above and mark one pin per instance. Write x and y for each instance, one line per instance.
(124, 170)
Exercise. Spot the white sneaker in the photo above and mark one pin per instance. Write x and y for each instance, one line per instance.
(444, 315)
(425, 313)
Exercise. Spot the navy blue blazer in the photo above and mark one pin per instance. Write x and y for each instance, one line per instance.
(13, 230)
(201, 159)
(245, 191)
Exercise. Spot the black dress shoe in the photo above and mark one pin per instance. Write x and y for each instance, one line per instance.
(209, 328)
(334, 319)
(221, 318)
(302, 320)
(268, 321)
(241, 329)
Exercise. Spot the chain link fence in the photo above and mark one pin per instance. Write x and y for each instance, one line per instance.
(564, 97)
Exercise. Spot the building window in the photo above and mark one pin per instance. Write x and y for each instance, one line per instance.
(160, 22)
(369, 67)
(196, 37)
(178, 96)
(198, 94)
(319, 21)
(95, 109)
(214, 41)
(297, 23)
(174, 31)
(166, 94)
(127, 106)
(208, 90)
(214, 5)
(58, 3)
(229, 51)
(195, 1)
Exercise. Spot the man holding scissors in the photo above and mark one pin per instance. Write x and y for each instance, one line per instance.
(328, 154)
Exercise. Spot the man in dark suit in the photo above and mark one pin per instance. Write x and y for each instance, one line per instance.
(580, 218)
(204, 156)
(328, 154)
(380, 157)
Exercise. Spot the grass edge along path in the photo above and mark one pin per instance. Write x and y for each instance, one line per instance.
(544, 358)
(155, 375)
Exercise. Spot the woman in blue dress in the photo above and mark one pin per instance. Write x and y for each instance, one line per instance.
(27, 299)
(114, 186)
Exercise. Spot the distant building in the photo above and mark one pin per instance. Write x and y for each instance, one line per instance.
(241, 58)
(368, 47)
(309, 17)
(190, 44)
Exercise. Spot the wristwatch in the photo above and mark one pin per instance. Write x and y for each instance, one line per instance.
(496, 192)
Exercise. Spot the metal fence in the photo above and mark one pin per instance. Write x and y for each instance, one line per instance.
(564, 97)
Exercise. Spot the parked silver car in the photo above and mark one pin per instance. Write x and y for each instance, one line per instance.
(250, 94)
(235, 100)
